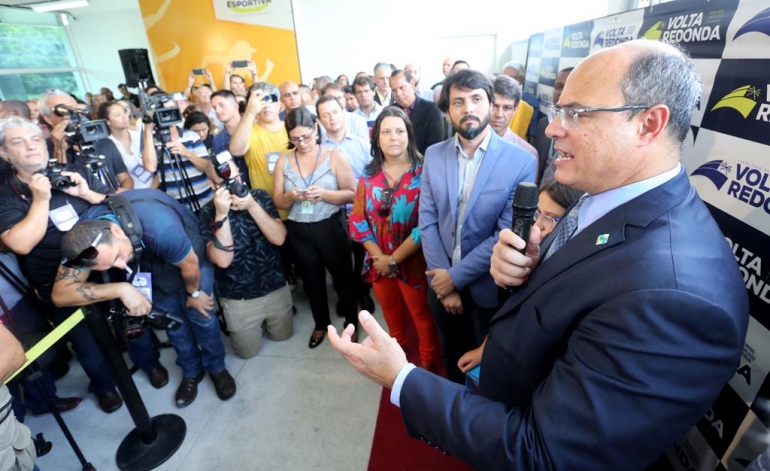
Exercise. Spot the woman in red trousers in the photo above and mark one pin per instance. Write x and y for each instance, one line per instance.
(384, 220)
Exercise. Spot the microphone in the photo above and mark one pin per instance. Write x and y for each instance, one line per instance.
(524, 207)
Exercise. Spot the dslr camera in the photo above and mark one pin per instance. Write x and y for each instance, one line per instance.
(222, 167)
(133, 327)
(53, 172)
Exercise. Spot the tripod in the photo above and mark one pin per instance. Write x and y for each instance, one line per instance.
(167, 159)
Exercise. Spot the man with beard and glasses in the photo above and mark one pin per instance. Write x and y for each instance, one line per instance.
(468, 183)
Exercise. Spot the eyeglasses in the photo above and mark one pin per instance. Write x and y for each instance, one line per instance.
(548, 222)
(90, 253)
(569, 116)
(298, 139)
(387, 199)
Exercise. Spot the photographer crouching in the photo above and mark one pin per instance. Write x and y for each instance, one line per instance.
(39, 203)
(172, 262)
(243, 231)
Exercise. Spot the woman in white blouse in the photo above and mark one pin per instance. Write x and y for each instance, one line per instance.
(128, 141)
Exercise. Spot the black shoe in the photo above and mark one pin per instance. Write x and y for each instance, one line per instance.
(188, 389)
(224, 384)
(110, 401)
(42, 446)
(158, 376)
(367, 303)
(316, 341)
(62, 404)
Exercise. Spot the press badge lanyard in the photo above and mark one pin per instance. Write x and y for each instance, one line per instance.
(309, 180)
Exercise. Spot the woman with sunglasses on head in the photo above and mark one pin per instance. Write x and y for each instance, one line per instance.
(384, 220)
(314, 182)
(552, 203)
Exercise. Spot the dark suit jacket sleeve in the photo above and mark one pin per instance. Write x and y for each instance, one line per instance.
(434, 130)
(617, 398)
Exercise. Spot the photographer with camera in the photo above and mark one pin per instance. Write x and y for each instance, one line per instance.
(184, 161)
(76, 139)
(172, 262)
(35, 211)
(243, 232)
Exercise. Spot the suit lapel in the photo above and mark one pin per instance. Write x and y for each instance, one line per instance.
(451, 177)
(640, 211)
(577, 249)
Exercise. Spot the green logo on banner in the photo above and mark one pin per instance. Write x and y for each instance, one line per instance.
(248, 6)
(742, 100)
(656, 31)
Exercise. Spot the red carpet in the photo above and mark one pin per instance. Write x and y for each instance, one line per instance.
(392, 449)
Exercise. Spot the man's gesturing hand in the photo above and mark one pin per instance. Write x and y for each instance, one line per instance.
(379, 357)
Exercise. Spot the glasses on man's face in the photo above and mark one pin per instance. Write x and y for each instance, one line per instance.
(385, 202)
(298, 139)
(569, 116)
(90, 253)
(546, 221)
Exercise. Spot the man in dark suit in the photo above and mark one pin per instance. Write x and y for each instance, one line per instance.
(427, 122)
(616, 343)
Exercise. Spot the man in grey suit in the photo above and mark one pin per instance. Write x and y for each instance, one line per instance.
(628, 319)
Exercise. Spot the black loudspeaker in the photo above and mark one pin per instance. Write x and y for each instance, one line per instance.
(136, 66)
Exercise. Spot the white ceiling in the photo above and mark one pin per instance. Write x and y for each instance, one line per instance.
(97, 7)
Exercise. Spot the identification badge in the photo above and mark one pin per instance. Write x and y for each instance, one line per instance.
(143, 283)
(141, 173)
(272, 158)
(307, 207)
(63, 218)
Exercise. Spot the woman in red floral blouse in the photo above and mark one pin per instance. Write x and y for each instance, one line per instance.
(384, 220)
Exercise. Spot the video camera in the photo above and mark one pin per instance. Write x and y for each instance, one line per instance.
(222, 167)
(82, 132)
(156, 112)
(133, 326)
(53, 172)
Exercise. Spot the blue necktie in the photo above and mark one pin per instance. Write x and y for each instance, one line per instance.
(566, 228)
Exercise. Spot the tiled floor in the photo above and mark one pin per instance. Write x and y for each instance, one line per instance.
(296, 409)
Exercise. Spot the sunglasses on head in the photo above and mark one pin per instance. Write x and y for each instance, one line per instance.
(90, 253)
(387, 200)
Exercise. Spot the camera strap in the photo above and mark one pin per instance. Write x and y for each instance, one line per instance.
(130, 224)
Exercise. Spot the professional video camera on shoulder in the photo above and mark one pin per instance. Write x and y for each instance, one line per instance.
(82, 132)
(222, 167)
(53, 172)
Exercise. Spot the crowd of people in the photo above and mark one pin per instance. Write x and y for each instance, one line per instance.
(392, 187)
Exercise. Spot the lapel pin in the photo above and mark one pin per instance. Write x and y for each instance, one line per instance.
(602, 239)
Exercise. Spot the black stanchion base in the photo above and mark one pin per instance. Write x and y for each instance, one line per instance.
(135, 455)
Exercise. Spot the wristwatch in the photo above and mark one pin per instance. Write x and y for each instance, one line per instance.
(392, 263)
(194, 294)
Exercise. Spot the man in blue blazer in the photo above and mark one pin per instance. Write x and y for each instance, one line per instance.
(468, 183)
(619, 340)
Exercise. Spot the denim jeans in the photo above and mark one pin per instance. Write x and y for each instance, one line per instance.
(86, 351)
(198, 341)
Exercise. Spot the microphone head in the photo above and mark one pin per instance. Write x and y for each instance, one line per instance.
(526, 196)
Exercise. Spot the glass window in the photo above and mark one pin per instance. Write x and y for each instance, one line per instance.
(34, 58)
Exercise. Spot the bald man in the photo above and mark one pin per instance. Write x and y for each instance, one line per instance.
(598, 360)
